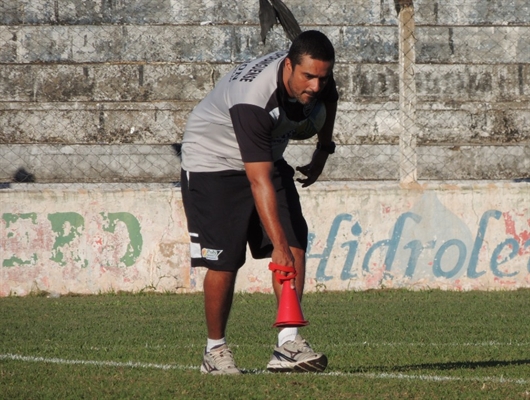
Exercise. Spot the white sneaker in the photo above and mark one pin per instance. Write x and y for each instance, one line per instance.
(296, 356)
(219, 361)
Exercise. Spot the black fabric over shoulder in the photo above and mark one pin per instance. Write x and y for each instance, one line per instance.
(252, 126)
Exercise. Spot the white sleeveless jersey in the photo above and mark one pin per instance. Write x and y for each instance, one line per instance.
(248, 117)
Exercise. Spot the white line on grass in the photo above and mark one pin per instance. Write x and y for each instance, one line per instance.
(438, 378)
(491, 343)
(130, 364)
(370, 375)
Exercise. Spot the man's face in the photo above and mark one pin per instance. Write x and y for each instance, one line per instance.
(306, 79)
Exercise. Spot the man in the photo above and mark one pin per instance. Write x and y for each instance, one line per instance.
(238, 189)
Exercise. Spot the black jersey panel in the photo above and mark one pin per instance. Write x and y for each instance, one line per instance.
(252, 126)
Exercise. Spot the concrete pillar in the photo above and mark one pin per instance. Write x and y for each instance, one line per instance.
(407, 92)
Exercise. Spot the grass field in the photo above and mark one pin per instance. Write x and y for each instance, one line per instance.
(385, 344)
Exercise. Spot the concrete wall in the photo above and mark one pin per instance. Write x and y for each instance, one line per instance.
(470, 235)
(92, 73)
(99, 91)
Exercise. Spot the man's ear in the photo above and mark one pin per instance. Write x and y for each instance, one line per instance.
(289, 64)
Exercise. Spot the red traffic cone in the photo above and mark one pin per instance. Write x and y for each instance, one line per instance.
(289, 310)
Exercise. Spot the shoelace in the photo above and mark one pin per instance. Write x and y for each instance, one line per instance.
(305, 347)
(224, 358)
(300, 347)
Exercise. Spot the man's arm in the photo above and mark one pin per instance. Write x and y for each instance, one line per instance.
(313, 170)
(260, 176)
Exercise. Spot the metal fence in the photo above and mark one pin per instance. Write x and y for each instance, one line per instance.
(99, 91)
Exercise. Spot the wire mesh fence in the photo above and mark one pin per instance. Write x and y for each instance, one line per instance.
(99, 91)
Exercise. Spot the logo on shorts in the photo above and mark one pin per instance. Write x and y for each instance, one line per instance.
(211, 254)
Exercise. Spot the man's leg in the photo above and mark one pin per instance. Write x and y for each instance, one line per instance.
(212, 201)
(218, 295)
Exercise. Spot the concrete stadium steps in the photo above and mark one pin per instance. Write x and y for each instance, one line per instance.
(90, 75)
(57, 163)
(91, 122)
(237, 43)
(185, 81)
(62, 163)
(106, 82)
(381, 162)
(246, 11)
(366, 122)
(180, 12)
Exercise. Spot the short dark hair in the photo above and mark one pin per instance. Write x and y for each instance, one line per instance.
(314, 44)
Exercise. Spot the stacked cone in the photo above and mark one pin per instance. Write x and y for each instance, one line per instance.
(289, 309)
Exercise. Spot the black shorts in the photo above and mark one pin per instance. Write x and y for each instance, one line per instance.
(222, 217)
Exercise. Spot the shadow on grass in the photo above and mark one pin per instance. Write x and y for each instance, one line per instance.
(445, 366)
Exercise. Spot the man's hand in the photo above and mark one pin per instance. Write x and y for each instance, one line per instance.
(313, 170)
(282, 256)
